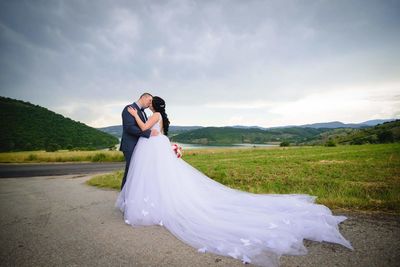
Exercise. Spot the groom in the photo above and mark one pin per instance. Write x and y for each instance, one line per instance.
(131, 131)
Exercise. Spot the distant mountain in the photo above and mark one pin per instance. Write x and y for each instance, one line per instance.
(382, 133)
(338, 124)
(328, 125)
(376, 122)
(25, 126)
(316, 133)
(179, 129)
(116, 130)
(232, 135)
(248, 127)
(335, 124)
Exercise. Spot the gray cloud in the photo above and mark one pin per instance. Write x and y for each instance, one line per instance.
(91, 57)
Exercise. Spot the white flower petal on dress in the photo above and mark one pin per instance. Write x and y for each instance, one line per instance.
(257, 240)
(145, 212)
(246, 242)
(272, 226)
(202, 250)
(161, 223)
(234, 254)
(220, 247)
(126, 221)
(246, 259)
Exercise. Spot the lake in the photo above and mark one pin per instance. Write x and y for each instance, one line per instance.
(195, 146)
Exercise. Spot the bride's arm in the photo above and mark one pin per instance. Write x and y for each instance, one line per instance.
(149, 123)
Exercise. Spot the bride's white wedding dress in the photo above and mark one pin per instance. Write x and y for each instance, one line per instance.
(257, 228)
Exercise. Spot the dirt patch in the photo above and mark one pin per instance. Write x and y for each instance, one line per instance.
(333, 161)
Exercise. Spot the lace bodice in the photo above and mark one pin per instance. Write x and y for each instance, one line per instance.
(158, 125)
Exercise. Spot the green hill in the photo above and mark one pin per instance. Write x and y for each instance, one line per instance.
(383, 133)
(232, 135)
(25, 126)
(387, 132)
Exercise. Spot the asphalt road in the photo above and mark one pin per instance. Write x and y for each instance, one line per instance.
(61, 221)
(31, 170)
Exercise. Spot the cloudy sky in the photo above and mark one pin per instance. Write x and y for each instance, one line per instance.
(216, 63)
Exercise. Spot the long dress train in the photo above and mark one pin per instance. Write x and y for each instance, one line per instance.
(258, 228)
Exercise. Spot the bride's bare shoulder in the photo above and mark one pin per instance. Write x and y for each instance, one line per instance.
(156, 115)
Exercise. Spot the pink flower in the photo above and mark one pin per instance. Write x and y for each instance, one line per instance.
(178, 150)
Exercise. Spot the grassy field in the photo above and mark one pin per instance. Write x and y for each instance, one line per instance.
(365, 177)
(61, 156)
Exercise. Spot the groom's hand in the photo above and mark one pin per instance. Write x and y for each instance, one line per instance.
(154, 132)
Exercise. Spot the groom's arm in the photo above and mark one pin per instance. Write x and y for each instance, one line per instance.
(131, 126)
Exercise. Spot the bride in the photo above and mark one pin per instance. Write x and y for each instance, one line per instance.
(255, 228)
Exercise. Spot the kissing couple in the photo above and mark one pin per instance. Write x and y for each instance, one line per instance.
(158, 188)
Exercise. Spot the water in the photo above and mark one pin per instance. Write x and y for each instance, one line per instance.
(195, 146)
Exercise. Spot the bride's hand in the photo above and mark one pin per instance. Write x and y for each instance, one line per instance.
(132, 111)
(154, 132)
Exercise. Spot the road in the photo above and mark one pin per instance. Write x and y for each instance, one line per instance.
(61, 221)
(32, 170)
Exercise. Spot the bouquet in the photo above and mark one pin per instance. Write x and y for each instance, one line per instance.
(178, 150)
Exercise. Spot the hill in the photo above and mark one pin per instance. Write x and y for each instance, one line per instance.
(334, 125)
(234, 135)
(25, 126)
(382, 133)
(386, 132)
(339, 124)
(116, 130)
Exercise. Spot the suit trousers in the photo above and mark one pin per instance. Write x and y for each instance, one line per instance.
(127, 156)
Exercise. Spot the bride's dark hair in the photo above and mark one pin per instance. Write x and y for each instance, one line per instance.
(159, 106)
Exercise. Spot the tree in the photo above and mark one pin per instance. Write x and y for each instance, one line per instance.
(284, 143)
(385, 137)
(52, 147)
(330, 143)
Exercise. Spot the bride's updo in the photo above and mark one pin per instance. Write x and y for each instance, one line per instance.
(159, 106)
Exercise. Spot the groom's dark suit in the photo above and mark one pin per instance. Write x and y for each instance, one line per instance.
(130, 135)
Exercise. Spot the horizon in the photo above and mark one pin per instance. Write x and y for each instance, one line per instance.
(234, 125)
(250, 126)
(263, 63)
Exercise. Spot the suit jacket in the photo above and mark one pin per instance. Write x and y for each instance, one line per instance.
(131, 130)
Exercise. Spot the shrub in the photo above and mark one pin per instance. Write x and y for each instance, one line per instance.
(385, 137)
(32, 157)
(284, 143)
(52, 147)
(330, 143)
(99, 157)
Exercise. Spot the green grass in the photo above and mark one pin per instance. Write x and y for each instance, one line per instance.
(111, 180)
(365, 177)
(61, 156)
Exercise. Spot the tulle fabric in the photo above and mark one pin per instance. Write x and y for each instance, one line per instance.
(256, 228)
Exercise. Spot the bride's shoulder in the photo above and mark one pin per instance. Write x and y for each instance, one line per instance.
(157, 115)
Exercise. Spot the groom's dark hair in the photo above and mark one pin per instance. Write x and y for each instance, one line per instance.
(145, 94)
